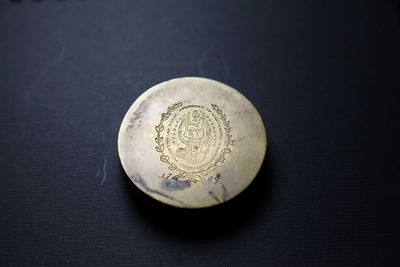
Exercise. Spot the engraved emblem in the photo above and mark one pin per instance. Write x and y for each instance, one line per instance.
(193, 140)
(195, 133)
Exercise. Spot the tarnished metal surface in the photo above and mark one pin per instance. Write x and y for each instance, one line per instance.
(192, 142)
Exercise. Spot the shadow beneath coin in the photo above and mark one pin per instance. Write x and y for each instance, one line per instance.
(206, 223)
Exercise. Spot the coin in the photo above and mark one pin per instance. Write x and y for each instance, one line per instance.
(192, 142)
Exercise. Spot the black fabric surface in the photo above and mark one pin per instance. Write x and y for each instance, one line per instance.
(324, 76)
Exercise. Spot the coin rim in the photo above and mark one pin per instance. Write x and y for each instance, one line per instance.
(144, 95)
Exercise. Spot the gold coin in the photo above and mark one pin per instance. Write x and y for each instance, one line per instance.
(192, 142)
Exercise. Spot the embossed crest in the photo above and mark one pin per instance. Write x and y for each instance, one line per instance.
(193, 140)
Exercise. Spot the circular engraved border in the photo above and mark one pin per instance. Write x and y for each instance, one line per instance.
(196, 175)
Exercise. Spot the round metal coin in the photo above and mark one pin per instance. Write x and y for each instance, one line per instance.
(192, 142)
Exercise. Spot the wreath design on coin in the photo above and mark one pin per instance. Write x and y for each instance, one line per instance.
(193, 140)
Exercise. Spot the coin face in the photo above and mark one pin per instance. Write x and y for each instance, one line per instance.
(192, 142)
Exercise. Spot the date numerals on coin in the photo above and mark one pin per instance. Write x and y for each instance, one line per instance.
(214, 179)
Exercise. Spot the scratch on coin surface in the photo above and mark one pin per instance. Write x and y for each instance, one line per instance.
(225, 193)
(212, 194)
(137, 178)
(104, 170)
(138, 115)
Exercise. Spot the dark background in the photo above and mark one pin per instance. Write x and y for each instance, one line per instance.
(324, 76)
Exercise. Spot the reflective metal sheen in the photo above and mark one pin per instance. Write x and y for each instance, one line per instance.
(192, 142)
